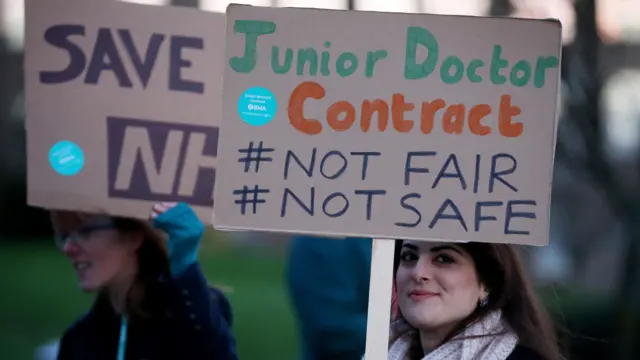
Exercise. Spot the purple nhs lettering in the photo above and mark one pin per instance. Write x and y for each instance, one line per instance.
(159, 161)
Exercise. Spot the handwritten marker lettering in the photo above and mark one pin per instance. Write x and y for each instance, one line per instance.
(115, 47)
(395, 112)
(252, 196)
(254, 156)
(392, 130)
(254, 200)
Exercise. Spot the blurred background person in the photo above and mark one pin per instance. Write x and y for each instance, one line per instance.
(328, 281)
(152, 301)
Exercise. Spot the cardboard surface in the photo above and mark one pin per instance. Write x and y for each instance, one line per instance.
(452, 174)
(122, 105)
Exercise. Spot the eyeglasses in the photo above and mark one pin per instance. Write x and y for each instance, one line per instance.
(82, 235)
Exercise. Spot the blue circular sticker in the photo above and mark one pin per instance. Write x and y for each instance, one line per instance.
(257, 106)
(66, 158)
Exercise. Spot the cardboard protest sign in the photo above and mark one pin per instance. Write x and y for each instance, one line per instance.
(388, 125)
(122, 105)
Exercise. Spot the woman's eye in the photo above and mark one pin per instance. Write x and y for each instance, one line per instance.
(408, 256)
(83, 233)
(444, 259)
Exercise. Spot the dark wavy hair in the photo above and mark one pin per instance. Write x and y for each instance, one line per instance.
(500, 268)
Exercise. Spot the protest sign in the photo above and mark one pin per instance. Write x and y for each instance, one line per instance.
(122, 105)
(388, 125)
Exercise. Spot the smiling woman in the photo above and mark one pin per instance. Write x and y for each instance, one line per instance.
(464, 301)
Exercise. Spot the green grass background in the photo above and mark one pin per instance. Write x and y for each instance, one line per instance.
(39, 298)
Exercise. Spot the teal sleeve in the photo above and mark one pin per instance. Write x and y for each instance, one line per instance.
(184, 229)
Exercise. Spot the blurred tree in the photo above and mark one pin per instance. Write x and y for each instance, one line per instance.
(17, 220)
(583, 117)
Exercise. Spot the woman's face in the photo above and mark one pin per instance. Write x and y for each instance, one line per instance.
(437, 284)
(100, 255)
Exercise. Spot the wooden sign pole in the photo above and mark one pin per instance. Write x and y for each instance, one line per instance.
(379, 312)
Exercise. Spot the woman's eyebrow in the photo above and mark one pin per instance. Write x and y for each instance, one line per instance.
(445, 247)
(410, 246)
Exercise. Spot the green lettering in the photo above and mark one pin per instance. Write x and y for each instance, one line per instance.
(445, 70)
(472, 69)
(497, 64)
(307, 55)
(341, 64)
(542, 65)
(324, 65)
(252, 29)
(417, 35)
(372, 58)
(520, 73)
(275, 63)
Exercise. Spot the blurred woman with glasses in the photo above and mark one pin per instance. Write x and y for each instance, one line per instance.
(152, 301)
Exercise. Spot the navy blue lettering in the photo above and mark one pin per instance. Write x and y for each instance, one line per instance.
(143, 67)
(58, 36)
(177, 63)
(106, 58)
(408, 169)
(515, 214)
(497, 175)
(406, 206)
(476, 178)
(339, 171)
(452, 159)
(370, 194)
(339, 212)
(479, 217)
(365, 160)
(448, 203)
(307, 170)
(140, 152)
(308, 209)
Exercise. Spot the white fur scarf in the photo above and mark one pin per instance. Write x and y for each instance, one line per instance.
(493, 347)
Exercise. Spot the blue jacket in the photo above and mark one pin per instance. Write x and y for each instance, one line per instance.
(195, 320)
(329, 286)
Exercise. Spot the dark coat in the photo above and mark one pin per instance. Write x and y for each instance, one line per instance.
(195, 325)
(523, 353)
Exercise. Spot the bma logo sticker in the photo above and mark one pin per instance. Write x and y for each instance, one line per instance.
(160, 161)
(257, 106)
(66, 158)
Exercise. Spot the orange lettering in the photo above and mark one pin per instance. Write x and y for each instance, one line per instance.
(368, 108)
(476, 114)
(507, 111)
(342, 115)
(333, 115)
(453, 119)
(305, 90)
(427, 116)
(398, 108)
